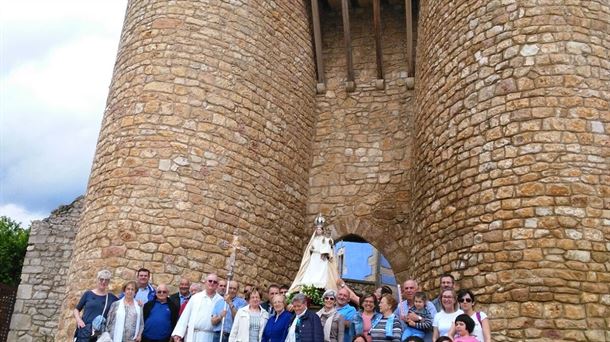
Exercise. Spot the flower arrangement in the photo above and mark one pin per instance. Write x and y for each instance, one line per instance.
(313, 293)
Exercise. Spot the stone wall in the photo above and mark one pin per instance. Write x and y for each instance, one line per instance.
(208, 129)
(511, 161)
(362, 151)
(44, 273)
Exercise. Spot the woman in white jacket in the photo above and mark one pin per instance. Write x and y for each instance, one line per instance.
(250, 320)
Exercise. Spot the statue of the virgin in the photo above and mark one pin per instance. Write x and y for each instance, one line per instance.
(318, 266)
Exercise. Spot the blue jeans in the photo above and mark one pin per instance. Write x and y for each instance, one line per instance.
(225, 337)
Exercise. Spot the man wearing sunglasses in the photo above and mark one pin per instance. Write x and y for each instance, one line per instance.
(195, 323)
(160, 317)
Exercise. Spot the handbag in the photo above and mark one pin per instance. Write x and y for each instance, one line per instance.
(99, 322)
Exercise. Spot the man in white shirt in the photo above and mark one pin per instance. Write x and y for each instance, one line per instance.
(145, 291)
(195, 323)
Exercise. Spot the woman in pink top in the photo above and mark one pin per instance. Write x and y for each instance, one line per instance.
(362, 321)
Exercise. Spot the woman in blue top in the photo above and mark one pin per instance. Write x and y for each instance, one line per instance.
(387, 327)
(277, 326)
(92, 304)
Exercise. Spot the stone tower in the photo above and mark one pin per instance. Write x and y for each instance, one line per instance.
(512, 182)
(494, 167)
(208, 128)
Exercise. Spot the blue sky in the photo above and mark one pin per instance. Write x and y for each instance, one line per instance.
(56, 60)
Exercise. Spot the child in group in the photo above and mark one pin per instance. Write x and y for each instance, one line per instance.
(464, 325)
(444, 339)
(424, 322)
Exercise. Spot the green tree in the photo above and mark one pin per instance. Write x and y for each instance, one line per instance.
(13, 244)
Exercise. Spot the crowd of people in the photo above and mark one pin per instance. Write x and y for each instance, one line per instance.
(216, 311)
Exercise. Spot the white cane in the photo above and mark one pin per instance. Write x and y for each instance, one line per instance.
(222, 325)
(400, 299)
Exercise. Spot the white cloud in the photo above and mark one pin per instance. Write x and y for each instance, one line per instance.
(20, 214)
(57, 59)
(100, 13)
(68, 81)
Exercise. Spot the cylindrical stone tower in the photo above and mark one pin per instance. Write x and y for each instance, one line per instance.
(207, 129)
(511, 183)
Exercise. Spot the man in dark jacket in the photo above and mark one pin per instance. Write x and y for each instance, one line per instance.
(272, 291)
(160, 317)
(183, 293)
(306, 325)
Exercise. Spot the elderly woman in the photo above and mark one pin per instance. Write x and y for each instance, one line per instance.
(306, 325)
(481, 331)
(276, 329)
(444, 320)
(250, 320)
(125, 319)
(332, 322)
(93, 303)
(362, 321)
(387, 326)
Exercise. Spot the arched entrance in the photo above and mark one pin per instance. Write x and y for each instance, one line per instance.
(362, 266)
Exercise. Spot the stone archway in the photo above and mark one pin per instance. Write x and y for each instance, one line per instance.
(362, 265)
(388, 241)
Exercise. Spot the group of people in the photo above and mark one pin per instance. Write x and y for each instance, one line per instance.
(216, 311)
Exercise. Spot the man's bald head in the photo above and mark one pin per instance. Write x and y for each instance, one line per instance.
(409, 289)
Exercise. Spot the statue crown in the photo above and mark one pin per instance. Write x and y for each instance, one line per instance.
(319, 220)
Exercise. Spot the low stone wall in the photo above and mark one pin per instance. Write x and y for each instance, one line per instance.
(43, 278)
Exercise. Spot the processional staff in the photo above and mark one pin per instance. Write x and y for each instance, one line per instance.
(235, 244)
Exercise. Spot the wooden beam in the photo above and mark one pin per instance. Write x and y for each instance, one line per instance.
(410, 54)
(317, 34)
(378, 52)
(349, 85)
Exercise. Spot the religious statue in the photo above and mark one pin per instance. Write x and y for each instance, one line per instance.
(318, 266)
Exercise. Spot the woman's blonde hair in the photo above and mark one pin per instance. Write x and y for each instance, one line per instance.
(104, 274)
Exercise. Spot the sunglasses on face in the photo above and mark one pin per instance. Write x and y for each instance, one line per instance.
(466, 300)
(162, 291)
(329, 298)
(212, 281)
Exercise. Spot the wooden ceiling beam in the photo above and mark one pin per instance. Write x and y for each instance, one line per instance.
(349, 84)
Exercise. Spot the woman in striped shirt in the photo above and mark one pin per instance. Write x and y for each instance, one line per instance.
(387, 326)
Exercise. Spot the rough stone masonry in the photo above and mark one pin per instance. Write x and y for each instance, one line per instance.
(494, 167)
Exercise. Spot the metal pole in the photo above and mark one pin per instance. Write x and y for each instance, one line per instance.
(229, 278)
